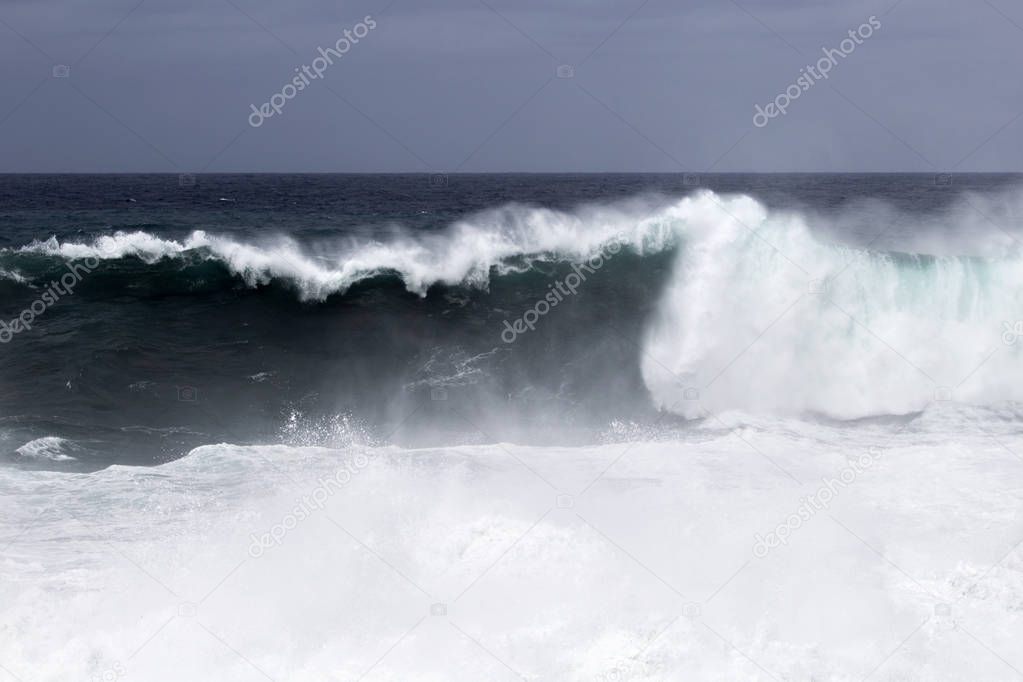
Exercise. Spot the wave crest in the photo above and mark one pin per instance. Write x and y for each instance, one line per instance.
(505, 240)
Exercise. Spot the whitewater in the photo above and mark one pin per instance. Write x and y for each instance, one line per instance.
(785, 350)
(626, 561)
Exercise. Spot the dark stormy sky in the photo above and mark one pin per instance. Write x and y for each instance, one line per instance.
(471, 85)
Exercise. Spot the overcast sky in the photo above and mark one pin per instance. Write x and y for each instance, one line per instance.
(468, 85)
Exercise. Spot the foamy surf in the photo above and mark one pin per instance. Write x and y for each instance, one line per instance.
(630, 561)
(49, 448)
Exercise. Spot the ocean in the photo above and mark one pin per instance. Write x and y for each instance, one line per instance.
(552, 427)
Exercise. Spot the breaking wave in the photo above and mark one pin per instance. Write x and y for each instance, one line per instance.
(764, 310)
(761, 315)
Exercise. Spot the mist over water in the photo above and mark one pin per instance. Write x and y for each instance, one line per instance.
(316, 403)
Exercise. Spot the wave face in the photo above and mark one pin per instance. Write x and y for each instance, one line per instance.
(761, 315)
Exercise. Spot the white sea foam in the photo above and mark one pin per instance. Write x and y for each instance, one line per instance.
(650, 571)
(50, 448)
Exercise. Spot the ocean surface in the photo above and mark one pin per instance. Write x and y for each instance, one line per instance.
(545, 427)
